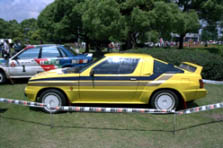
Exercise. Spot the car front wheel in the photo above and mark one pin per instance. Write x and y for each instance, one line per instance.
(164, 99)
(52, 98)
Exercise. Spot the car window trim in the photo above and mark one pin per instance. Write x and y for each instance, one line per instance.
(117, 73)
(61, 55)
(66, 55)
(16, 57)
(40, 53)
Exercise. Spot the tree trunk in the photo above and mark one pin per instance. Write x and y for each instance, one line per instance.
(87, 45)
(128, 43)
(133, 40)
(181, 41)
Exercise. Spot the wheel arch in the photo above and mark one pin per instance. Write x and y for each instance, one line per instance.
(178, 93)
(66, 65)
(6, 74)
(44, 89)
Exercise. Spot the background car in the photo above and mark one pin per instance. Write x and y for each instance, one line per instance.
(38, 58)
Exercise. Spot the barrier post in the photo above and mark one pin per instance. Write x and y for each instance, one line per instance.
(51, 117)
(174, 123)
(51, 120)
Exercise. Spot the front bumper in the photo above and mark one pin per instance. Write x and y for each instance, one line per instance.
(30, 93)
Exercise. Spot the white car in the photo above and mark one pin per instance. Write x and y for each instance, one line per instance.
(38, 58)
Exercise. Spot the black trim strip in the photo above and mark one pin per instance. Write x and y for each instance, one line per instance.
(108, 78)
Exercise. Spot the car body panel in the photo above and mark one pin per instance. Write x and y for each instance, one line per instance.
(132, 88)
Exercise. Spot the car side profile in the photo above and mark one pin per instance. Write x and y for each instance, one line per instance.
(119, 78)
(38, 58)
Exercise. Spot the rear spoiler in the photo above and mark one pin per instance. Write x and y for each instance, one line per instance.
(191, 67)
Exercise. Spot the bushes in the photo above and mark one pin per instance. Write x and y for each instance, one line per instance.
(215, 50)
(212, 63)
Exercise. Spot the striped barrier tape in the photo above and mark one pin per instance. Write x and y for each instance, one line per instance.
(111, 110)
(213, 82)
(85, 109)
(22, 102)
(200, 108)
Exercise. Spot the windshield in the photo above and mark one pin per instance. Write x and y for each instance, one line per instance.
(79, 69)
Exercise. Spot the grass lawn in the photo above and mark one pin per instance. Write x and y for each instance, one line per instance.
(25, 128)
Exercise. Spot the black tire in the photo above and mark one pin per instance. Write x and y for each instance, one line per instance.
(2, 77)
(53, 98)
(164, 99)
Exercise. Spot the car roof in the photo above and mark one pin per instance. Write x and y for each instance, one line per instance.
(47, 45)
(42, 45)
(135, 55)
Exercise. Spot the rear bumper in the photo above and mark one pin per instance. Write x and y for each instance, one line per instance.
(194, 94)
(201, 93)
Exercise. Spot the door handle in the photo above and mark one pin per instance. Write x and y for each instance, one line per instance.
(133, 79)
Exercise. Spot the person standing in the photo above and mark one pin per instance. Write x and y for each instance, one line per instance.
(6, 50)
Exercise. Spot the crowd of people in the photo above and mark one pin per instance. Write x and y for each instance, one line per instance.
(5, 48)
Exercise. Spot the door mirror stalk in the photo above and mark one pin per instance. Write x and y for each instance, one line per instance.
(92, 73)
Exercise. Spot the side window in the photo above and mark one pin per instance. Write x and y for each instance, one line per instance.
(50, 52)
(116, 65)
(160, 67)
(32, 53)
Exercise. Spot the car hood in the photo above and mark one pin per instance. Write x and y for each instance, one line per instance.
(57, 74)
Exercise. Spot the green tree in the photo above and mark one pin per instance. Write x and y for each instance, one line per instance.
(59, 22)
(137, 21)
(4, 29)
(209, 33)
(187, 22)
(28, 27)
(208, 10)
(102, 21)
(145, 16)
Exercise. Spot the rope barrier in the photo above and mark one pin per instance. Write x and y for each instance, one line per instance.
(113, 110)
(22, 102)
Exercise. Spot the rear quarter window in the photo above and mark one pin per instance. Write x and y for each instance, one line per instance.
(188, 67)
(160, 67)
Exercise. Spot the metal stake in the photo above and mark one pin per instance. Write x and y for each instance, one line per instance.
(174, 123)
(51, 116)
(51, 120)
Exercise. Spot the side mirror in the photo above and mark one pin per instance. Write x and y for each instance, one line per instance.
(15, 58)
(92, 73)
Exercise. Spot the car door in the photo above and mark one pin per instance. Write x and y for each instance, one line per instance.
(24, 64)
(114, 80)
(50, 58)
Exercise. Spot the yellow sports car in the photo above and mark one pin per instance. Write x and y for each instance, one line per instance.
(119, 78)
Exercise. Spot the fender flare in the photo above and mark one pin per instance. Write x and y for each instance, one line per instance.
(4, 70)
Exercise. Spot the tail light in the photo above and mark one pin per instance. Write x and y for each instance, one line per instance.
(201, 83)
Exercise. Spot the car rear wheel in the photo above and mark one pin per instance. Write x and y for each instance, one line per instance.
(165, 99)
(2, 77)
(52, 98)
